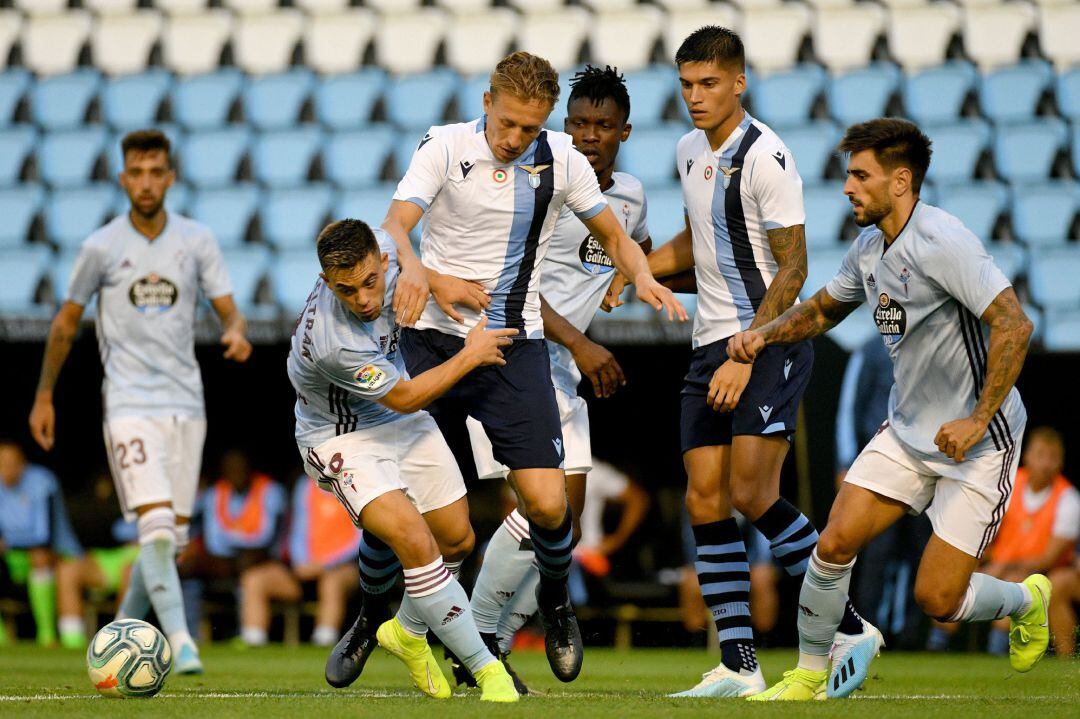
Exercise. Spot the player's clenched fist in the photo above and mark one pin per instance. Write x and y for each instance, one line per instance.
(660, 297)
(43, 423)
(237, 346)
(956, 437)
(484, 346)
(745, 346)
(727, 385)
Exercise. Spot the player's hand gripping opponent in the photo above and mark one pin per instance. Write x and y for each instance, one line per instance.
(411, 293)
(483, 346)
(744, 347)
(449, 291)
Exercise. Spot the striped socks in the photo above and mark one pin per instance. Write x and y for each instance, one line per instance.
(553, 549)
(724, 575)
(379, 569)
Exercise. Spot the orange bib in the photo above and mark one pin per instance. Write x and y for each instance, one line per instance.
(1024, 535)
(249, 520)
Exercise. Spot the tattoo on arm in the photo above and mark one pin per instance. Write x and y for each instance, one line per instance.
(807, 319)
(61, 336)
(1010, 330)
(788, 246)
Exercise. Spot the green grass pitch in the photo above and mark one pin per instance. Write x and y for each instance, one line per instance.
(280, 682)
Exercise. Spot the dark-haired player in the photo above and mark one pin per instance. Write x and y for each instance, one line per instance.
(575, 276)
(950, 444)
(744, 238)
(148, 267)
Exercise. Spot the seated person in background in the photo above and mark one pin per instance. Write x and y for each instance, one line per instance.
(1066, 581)
(1039, 530)
(323, 546)
(34, 533)
(243, 523)
(104, 568)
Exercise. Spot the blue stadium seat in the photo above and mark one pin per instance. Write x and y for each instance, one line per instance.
(1075, 143)
(293, 276)
(203, 102)
(177, 199)
(355, 158)
(650, 154)
(131, 102)
(404, 147)
(292, 219)
(212, 158)
(16, 144)
(369, 205)
(344, 102)
(247, 268)
(1052, 277)
(21, 271)
(862, 94)
(666, 215)
(1026, 152)
(14, 82)
(1012, 93)
(822, 265)
(227, 211)
(67, 158)
(18, 206)
(71, 215)
(59, 274)
(786, 98)
(826, 209)
(1036, 316)
(115, 153)
(273, 102)
(1009, 257)
(650, 92)
(977, 204)
(813, 144)
(282, 158)
(470, 98)
(419, 101)
(936, 96)
(957, 149)
(1062, 331)
(1068, 93)
(60, 102)
(1043, 214)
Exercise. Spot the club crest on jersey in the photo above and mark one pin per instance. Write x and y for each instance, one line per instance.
(499, 175)
(370, 377)
(891, 319)
(534, 174)
(593, 257)
(153, 294)
(729, 172)
(905, 277)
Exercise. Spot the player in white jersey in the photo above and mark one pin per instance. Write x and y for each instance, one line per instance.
(744, 239)
(490, 192)
(577, 276)
(362, 435)
(147, 268)
(955, 420)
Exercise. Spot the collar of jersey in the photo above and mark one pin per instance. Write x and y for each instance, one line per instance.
(727, 150)
(903, 230)
(147, 240)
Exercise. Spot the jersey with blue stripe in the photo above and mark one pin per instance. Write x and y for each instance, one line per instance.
(341, 365)
(926, 293)
(490, 222)
(147, 294)
(733, 196)
(577, 271)
(32, 513)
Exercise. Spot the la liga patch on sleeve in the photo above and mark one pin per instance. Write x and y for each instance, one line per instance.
(370, 377)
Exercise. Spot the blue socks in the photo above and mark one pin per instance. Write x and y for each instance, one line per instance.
(553, 549)
(724, 575)
(157, 562)
(379, 569)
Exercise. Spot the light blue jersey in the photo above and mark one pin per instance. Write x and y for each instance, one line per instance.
(147, 293)
(340, 365)
(577, 272)
(927, 292)
(32, 514)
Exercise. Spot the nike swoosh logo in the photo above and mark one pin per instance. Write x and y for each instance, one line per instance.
(430, 681)
(1046, 607)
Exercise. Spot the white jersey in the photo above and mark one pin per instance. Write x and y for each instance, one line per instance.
(147, 293)
(490, 222)
(340, 365)
(578, 272)
(732, 197)
(927, 292)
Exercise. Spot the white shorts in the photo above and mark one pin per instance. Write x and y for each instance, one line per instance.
(964, 501)
(155, 459)
(408, 454)
(577, 448)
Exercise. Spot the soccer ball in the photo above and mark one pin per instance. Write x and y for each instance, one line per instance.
(128, 658)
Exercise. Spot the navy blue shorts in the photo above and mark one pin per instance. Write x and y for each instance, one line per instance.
(768, 406)
(515, 403)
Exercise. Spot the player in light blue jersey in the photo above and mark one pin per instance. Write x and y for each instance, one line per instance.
(362, 435)
(957, 337)
(578, 278)
(148, 268)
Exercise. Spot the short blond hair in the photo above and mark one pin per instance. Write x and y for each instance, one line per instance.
(527, 77)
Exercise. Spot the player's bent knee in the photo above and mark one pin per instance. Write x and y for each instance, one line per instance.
(750, 498)
(936, 602)
(703, 507)
(833, 547)
(548, 511)
(457, 549)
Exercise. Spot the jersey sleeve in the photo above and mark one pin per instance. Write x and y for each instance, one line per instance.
(1067, 518)
(847, 285)
(583, 195)
(640, 233)
(86, 275)
(427, 173)
(213, 274)
(367, 374)
(961, 266)
(776, 186)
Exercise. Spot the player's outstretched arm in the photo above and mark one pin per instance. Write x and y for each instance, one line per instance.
(632, 262)
(805, 320)
(234, 338)
(674, 257)
(61, 336)
(482, 347)
(594, 361)
(788, 245)
(411, 293)
(613, 296)
(1010, 331)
